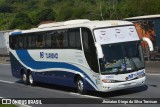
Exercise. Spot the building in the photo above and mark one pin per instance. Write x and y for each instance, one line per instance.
(4, 42)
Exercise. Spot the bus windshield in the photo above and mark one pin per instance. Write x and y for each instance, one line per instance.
(121, 57)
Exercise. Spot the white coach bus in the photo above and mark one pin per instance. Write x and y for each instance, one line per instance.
(89, 55)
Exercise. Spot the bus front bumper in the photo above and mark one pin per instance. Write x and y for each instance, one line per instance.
(107, 87)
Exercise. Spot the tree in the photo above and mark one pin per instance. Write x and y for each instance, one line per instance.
(50, 3)
(20, 21)
(5, 8)
(38, 11)
(44, 15)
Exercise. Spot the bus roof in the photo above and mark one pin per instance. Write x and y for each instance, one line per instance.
(143, 17)
(73, 24)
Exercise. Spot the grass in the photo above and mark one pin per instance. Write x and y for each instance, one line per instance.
(8, 105)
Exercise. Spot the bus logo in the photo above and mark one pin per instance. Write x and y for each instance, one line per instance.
(41, 54)
(134, 75)
(49, 55)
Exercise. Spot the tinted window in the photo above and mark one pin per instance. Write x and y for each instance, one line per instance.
(25, 42)
(60, 39)
(31, 41)
(12, 41)
(89, 49)
(40, 40)
(48, 41)
(18, 42)
(54, 39)
(74, 38)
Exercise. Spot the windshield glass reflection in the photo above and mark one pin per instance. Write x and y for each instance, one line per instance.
(121, 57)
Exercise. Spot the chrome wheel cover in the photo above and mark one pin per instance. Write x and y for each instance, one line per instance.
(24, 77)
(30, 79)
(80, 85)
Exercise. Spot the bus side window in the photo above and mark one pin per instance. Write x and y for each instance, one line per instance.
(29, 42)
(12, 41)
(48, 40)
(25, 42)
(71, 39)
(54, 39)
(60, 39)
(32, 41)
(74, 38)
(40, 42)
(18, 42)
(65, 39)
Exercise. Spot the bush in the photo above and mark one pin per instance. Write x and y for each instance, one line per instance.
(20, 21)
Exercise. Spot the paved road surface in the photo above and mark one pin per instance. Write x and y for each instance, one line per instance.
(11, 87)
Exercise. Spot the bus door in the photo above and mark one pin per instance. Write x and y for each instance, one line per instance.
(90, 52)
(90, 49)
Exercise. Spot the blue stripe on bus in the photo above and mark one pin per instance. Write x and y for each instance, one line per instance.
(30, 62)
(16, 33)
(50, 77)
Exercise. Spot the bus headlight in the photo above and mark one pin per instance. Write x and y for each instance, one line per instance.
(108, 81)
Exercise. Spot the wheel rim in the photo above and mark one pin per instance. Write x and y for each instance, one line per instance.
(80, 85)
(24, 77)
(30, 79)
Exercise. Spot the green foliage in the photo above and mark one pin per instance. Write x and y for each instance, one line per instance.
(5, 8)
(8, 105)
(24, 14)
(21, 20)
(49, 3)
(43, 15)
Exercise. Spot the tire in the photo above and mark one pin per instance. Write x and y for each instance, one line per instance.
(80, 86)
(31, 80)
(25, 78)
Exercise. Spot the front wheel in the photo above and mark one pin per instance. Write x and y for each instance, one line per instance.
(80, 86)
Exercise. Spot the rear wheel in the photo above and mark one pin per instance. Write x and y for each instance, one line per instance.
(80, 86)
(25, 78)
(31, 80)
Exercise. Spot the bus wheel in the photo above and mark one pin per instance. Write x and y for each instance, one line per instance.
(30, 79)
(25, 78)
(80, 86)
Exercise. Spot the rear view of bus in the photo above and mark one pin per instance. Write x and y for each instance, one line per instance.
(120, 57)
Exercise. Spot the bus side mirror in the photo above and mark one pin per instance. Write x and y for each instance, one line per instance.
(99, 50)
(149, 42)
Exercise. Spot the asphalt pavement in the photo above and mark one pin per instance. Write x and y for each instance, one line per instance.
(11, 87)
